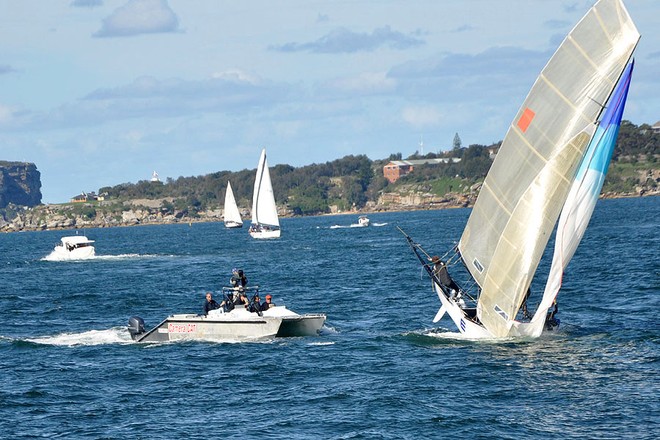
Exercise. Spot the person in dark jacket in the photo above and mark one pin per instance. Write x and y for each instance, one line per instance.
(238, 278)
(210, 303)
(268, 304)
(441, 273)
(255, 305)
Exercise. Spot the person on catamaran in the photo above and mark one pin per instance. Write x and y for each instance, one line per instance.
(238, 278)
(255, 305)
(241, 299)
(210, 303)
(268, 304)
(442, 274)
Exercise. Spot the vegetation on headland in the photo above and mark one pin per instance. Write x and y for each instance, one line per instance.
(352, 183)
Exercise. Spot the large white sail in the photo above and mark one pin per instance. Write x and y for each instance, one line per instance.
(530, 178)
(582, 197)
(232, 216)
(264, 210)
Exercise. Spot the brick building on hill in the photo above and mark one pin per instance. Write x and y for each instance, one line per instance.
(396, 169)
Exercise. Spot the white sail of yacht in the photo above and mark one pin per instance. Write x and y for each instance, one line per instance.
(265, 223)
(529, 182)
(232, 216)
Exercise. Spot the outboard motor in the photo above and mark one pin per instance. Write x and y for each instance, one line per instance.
(135, 326)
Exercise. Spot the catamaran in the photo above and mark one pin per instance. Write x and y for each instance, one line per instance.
(265, 223)
(232, 216)
(233, 322)
(549, 171)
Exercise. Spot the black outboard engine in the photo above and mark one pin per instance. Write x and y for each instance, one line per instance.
(135, 326)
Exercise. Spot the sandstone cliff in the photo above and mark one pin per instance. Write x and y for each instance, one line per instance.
(20, 184)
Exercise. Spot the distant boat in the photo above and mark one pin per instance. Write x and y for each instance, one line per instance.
(231, 215)
(265, 223)
(74, 247)
(363, 220)
(548, 171)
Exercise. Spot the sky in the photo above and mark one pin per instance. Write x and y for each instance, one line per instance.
(102, 92)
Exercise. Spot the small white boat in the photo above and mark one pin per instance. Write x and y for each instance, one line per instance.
(363, 220)
(232, 216)
(265, 223)
(75, 247)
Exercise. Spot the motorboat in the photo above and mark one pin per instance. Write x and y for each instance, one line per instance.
(235, 325)
(75, 247)
(363, 220)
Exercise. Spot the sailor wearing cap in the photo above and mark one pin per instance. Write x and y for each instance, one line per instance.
(268, 304)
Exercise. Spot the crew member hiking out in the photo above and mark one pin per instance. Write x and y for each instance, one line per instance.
(441, 273)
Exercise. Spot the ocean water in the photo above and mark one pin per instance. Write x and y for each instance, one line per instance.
(380, 369)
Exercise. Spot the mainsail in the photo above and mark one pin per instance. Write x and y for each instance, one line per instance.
(529, 181)
(583, 195)
(231, 214)
(264, 210)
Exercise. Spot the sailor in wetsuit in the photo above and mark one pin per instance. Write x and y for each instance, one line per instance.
(441, 273)
(210, 303)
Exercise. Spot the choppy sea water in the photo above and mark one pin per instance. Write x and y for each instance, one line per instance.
(380, 368)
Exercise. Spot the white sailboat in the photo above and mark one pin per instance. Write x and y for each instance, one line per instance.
(232, 216)
(265, 223)
(552, 162)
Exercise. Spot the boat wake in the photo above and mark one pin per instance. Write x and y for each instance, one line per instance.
(52, 257)
(356, 225)
(115, 335)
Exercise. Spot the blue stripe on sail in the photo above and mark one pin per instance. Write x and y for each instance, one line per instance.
(599, 152)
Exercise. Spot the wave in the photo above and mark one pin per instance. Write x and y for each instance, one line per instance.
(356, 225)
(52, 257)
(116, 335)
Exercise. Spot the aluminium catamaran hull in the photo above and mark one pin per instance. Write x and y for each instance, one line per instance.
(236, 326)
(294, 324)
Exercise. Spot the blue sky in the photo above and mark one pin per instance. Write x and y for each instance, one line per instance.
(102, 92)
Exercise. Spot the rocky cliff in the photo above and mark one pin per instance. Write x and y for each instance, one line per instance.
(20, 184)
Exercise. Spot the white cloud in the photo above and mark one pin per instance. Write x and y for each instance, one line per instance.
(343, 40)
(86, 3)
(140, 17)
(6, 114)
(368, 82)
(422, 116)
(237, 75)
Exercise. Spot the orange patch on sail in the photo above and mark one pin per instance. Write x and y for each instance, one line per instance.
(526, 119)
